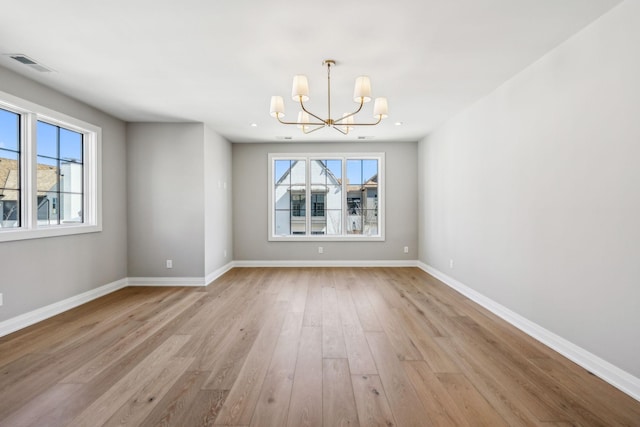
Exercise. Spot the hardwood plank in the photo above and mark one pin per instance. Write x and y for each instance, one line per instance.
(243, 396)
(440, 406)
(338, 402)
(234, 350)
(332, 336)
(116, 351)
(102, 409)
(470, 402)
(47, 409)
(205, 409)
(526, 378)
(405, 404)
(313, 306)
(404, 348)
(501, 395)
(176, 405)
(273, 403)
(371, 401)
(366, 314)
(357, 348)
(141, 403)
(305, 409)
(613, 402)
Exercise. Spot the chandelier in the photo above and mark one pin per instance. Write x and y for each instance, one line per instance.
(310, 122)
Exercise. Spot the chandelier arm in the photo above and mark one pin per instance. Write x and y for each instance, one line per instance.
(300, 123)
(351, 114)
(340, 130)
(366, 124)
(324, 122)
(306, 132)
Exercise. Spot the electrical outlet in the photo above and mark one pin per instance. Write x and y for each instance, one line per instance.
(1, 300)
(320, 250)
(450, 263)
(225, 253)
(406, 249)
(169, 263)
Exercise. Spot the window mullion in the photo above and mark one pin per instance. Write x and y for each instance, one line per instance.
(307, 201)
(30, 167)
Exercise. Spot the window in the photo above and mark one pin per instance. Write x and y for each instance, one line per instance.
(326, 197)
(49, 172)
(9, 169)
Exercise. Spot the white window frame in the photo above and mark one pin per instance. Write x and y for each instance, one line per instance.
(30, 113)
(308, 157)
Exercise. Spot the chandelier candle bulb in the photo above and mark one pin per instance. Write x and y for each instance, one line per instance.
(303, 119)
(277, 106)
(362, 90)
(380, 108)
(300, 88)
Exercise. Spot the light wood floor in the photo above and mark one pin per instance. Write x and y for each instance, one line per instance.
(295, 347)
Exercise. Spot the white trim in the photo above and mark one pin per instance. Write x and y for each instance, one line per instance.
(217, 273)
(166, 281)
(27, 319)
(327, 263)
(615, 376)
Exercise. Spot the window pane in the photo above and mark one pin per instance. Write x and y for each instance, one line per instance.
(334, 222)
(334, 197)
(9, 208)
(298, 175)
(9, 131)
(9, 170)
(318, 172)
(298, 204)
(48, 208)
(283, 223)
(369, 171)
(47, 174)
(370, 222)
(290, 197)
(71, 177)
(354, 172)
(70, 208)
(282, 197)
(47, 140)
(281, 171)
(335, 167)
(317, 204)
(70, 145)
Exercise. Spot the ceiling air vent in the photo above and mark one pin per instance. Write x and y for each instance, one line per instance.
(25, 60)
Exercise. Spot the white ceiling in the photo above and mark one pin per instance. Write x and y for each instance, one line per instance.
(219, 62)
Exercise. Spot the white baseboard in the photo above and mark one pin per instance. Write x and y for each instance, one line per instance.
(328, 263)
(165, 281)
(615, 376)
(217, 273)
(27, 319)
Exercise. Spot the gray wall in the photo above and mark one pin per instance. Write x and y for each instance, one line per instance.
(250, 194)
(38, 272)
(218, 217)
(534, 191)
(165, 171)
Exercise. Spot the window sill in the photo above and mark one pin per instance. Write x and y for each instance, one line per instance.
(9, 235)
(321, 238)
